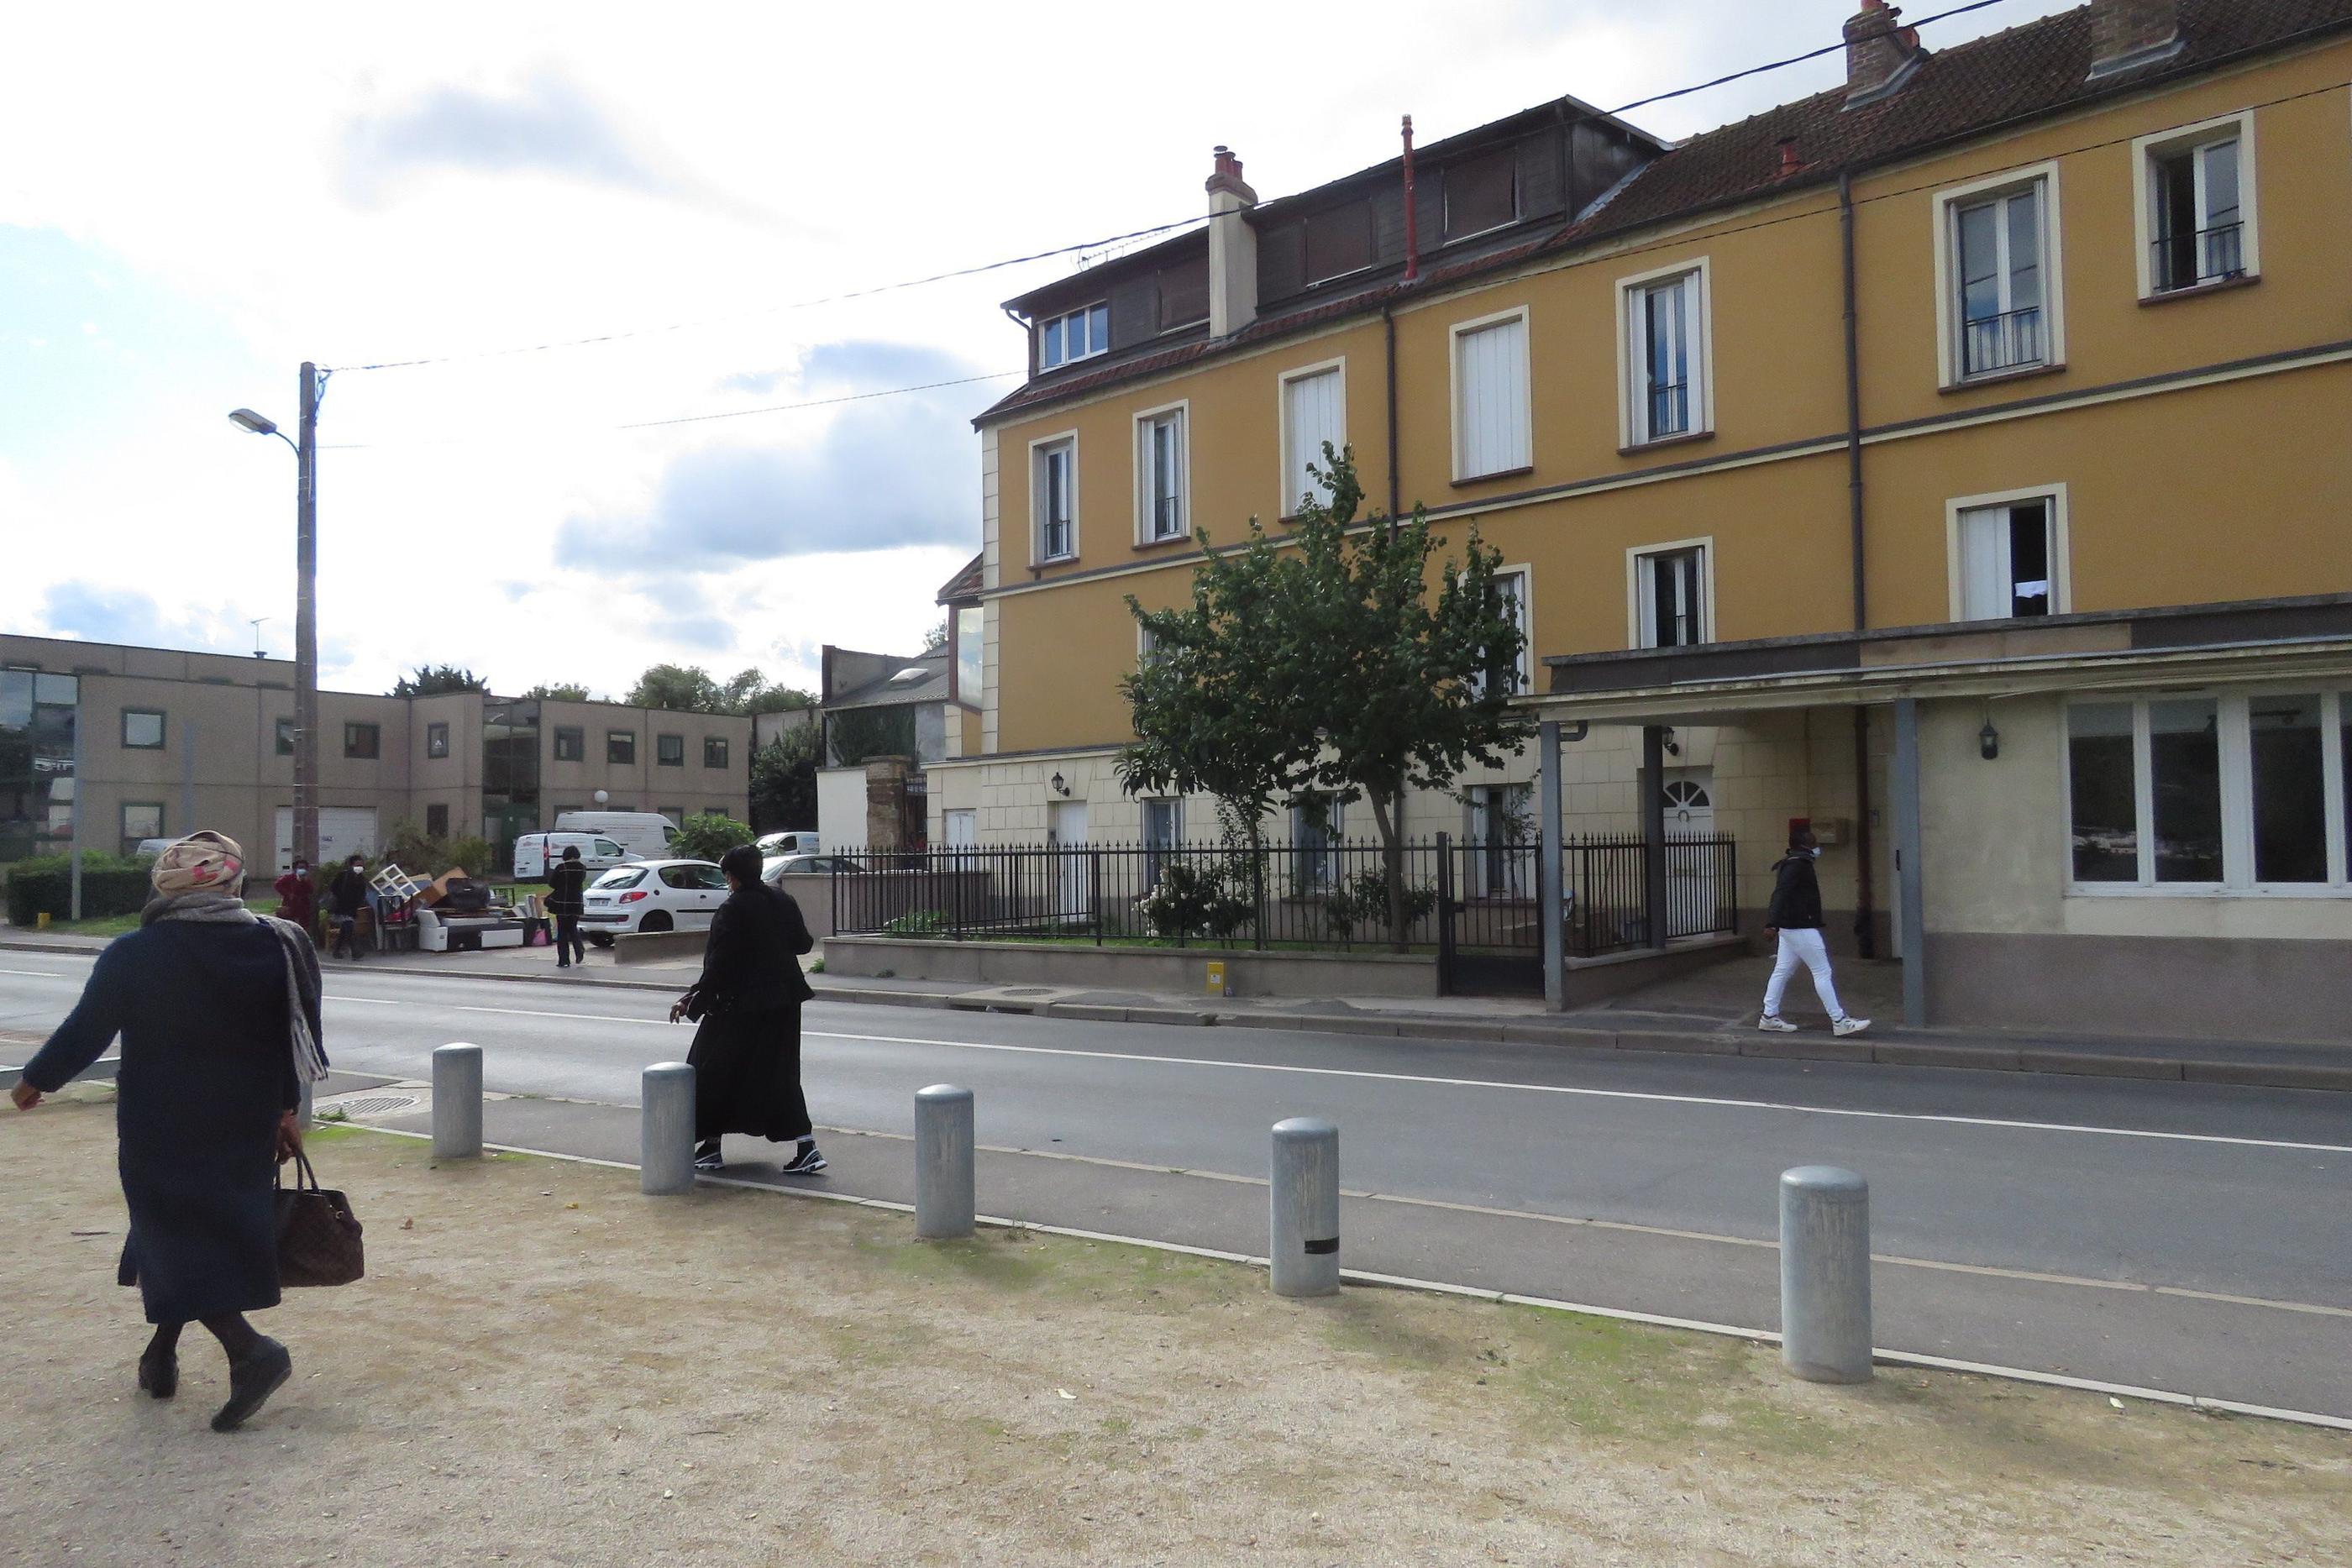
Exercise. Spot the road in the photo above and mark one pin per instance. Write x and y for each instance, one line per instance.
(2175, 1236)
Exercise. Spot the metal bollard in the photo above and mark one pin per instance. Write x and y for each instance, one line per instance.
(1825, 1274)
(943, 1176)
(457, 1103)
(1303, 1235)
(665, 1154)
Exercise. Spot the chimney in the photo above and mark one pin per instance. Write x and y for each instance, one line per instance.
(1233, 249)
(1880, 54)
(2128, 34)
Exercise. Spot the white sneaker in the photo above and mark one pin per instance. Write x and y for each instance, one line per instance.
(1850, 1026)
(1775, 1024)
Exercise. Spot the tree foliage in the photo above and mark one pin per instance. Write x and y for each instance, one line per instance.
(784, 781)
(690, 688)
(707, 835)
(435, 680)
(857, 736)
(559, 691)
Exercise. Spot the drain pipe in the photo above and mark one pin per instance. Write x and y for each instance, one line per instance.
(1865, 921)
(1396, 482)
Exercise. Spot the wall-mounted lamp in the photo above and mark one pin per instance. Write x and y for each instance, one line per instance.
(1060, 785)
(1989, 739)
(1673, 748)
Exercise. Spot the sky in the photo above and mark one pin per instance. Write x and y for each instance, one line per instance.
(196, 200)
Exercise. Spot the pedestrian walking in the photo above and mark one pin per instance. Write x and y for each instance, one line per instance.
(746, 1006)
(296, 896)
(567, 899)
(218, 1012)
(346, 896)
(1795, 917)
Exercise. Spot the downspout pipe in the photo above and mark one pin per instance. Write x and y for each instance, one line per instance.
(1412, 211)
(1865, 923)
(1396, 481)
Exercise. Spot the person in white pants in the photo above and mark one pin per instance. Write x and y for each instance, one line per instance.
(1795, 918)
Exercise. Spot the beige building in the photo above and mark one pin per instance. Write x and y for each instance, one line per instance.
(170, 741)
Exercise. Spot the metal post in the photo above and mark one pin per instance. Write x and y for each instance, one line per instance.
(81, 717)
(1303, 1234)
(457, 1102)
(665, 1138)
(1825, 1274)
(187, 778)
(306, 622)
(1910, 939)
(1653, 833)
(1550, 905)
(944, 1203)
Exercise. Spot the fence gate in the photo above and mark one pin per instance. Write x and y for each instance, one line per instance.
(1490, 923)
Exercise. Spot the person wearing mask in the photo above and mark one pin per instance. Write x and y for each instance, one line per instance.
(567, 882)
(218, 1012)
(346, 896)
(1795, 917)
(747, 1007)
(295, 906)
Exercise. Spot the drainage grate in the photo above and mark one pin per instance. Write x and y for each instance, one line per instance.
(371, 1104)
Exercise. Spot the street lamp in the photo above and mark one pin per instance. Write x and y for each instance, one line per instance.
(306, 603)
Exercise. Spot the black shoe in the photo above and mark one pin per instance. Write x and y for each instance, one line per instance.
(158, 1373)
(808, 1162)
(252, 1379)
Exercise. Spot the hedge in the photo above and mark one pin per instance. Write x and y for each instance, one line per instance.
(45, 887)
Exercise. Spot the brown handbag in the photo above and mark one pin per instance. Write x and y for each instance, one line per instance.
(318, 1234)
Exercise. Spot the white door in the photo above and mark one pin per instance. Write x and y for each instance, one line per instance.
(961, 828)
(1691, 870)
(342, 830)
(1065, 830)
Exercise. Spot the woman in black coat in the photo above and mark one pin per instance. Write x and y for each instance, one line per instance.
(218, 1012)
(747, 1003)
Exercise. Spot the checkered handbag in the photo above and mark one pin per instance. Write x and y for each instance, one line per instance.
(318, 1234)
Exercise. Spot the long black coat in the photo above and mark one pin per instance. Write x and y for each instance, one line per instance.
(747, 1049)
(207, 1072)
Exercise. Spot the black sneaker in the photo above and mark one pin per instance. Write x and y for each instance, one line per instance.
(808, 1162)
(158, 1374)
(708, 1158)
(252, 1379)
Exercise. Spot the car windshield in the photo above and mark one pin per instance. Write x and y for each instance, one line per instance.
(626, 876)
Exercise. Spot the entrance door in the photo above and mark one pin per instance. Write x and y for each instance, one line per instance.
(1691, 880)
(1065, 830)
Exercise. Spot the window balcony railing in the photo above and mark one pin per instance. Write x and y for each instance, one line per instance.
(1168, 517)
(2011, 341)
(2207, 256)
(1055, 536)
(1669, 410)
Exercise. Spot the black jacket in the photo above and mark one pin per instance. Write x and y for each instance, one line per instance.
(567, 881)
(347, 894)
(1795, 894)
(753, 960)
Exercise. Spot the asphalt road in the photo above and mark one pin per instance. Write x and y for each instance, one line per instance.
(2179, 1236)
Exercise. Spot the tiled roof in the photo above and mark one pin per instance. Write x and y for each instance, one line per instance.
(964, 584)
(927, 682)
(2026, 73)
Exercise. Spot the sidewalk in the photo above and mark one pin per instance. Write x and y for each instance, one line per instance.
(1704, 1023)
(542, 1366)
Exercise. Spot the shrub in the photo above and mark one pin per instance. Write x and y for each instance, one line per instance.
(424, 857)
(1363, 900)
(1193, 900)
(916, 923)
(707, 835)
(110, 884)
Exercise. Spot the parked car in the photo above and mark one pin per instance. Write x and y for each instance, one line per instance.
(652, 895)
(150, 848)
(800, 841)
(646, 833)
(775, 866)
(534, 852)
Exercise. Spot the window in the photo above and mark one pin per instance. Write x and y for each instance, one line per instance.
(1511, 598)
(1163, 830)
(669, 750)
(1666, 354)
(571, 744)
(1313, 413)
(620, 747)
(437, 821)
(1054, 498)
(437, 740)
(607, 850)
(1080, 335)
(971, 630)
(142, 730)
(1315, 840)
(285, 743)
(1502, 833)
(1998, 264)
(1482, 194)
(1673, 589)
(2006, 555)
(1338, 241)
(2207, 794)
(1160, 461)
(714, 751)
(1490, 398)
(676, 815)
(362, 740)
(2195, 206)
(1147, 645)
(140, 822)
(714, 811)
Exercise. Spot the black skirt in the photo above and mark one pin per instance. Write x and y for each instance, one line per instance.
(747, 1075)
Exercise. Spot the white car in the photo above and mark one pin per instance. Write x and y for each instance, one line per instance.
(775, 866)
(652, 895)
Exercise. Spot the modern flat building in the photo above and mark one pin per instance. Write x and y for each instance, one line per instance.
(1955, 459)
(171, 742)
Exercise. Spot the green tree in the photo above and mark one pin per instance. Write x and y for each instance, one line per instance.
(937, 637)
(437, 680)
(683, 688)
(559, 691)
(784, 781)
(751, 692)
(707, 835)
(857, 736)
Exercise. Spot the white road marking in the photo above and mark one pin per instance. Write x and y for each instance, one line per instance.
(368, 1001)
(45, 974)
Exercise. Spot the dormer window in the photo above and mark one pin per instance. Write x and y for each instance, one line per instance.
(1080, 335)
(1482, 194)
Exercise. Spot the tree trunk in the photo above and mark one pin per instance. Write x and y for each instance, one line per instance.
(1385, 815)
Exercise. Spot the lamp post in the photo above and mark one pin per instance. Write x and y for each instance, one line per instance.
(306, 604)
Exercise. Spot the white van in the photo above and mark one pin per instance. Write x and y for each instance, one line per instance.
(534, 852)
(647, 834)
(802, 843)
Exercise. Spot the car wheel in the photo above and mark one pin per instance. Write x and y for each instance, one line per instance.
(656, 921)
(599, 939)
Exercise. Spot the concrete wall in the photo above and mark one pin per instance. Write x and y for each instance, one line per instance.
(1134, 968)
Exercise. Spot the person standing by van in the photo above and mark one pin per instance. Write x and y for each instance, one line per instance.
(567, 883)
(1795, 917)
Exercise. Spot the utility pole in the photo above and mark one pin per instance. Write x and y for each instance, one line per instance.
(306, 622)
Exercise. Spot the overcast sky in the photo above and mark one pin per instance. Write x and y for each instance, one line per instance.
(196, 199)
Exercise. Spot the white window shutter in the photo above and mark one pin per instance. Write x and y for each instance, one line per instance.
(1492, 383)
(1985, 589)
(1311, 416)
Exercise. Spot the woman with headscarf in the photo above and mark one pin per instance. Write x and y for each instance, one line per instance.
(747, 1004)
(218, 1012)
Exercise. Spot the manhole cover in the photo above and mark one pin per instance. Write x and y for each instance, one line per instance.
(372, 1104)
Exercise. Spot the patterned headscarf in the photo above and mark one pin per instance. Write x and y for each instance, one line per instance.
(200, 863)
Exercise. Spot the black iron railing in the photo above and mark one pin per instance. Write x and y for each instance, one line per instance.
(1669, 408)
(2202, 255)
(2009, 341)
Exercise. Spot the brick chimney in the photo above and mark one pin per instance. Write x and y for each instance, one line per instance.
(1880, 54)
(1233, 249)
(2128, 34)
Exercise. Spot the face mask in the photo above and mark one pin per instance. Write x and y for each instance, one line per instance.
(1815, 851)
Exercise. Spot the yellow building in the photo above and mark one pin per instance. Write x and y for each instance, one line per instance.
(1957, 460)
